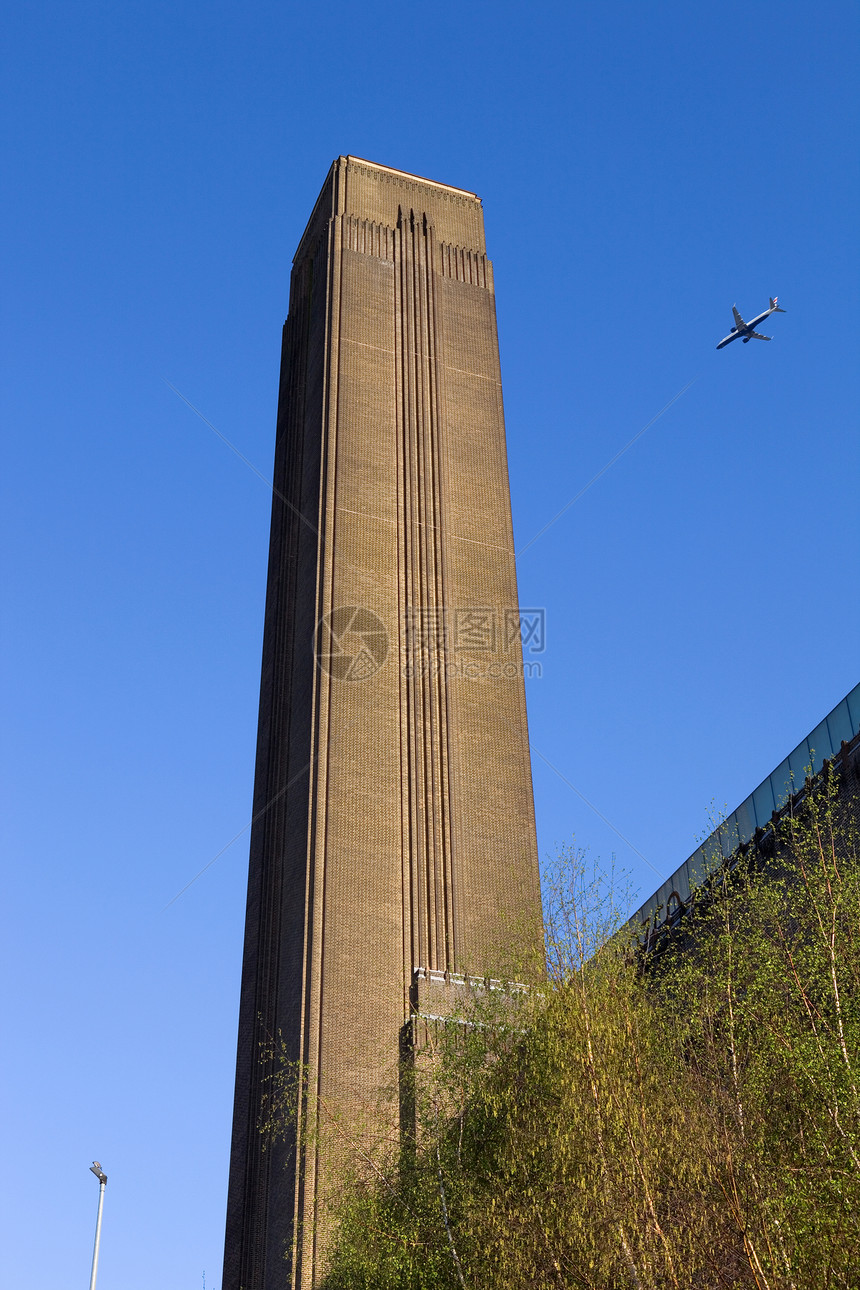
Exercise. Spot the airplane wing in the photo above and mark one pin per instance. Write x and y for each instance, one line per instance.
(739, 322)
(756, 335)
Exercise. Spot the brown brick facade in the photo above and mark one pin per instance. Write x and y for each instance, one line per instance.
(393, 814)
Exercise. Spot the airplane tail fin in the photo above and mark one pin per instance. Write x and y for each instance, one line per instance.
(774, 306)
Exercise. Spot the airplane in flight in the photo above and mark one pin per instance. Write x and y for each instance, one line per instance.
(747, 331)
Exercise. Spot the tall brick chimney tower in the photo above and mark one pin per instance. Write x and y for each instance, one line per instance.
(393, 843)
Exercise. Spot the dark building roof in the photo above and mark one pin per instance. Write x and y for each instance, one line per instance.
(825, 743)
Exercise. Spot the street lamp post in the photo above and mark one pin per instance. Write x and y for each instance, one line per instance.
(95, 1168)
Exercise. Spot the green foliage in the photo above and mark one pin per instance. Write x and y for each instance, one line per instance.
(772, 971)
(695, 1124)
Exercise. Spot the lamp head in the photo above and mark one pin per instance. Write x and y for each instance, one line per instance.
(95, 1168)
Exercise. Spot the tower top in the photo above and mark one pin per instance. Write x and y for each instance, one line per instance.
(408, 176)
(369, 191)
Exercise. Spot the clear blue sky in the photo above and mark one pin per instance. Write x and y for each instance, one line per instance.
(642, 168)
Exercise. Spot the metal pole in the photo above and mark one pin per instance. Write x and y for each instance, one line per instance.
(102, 1183)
